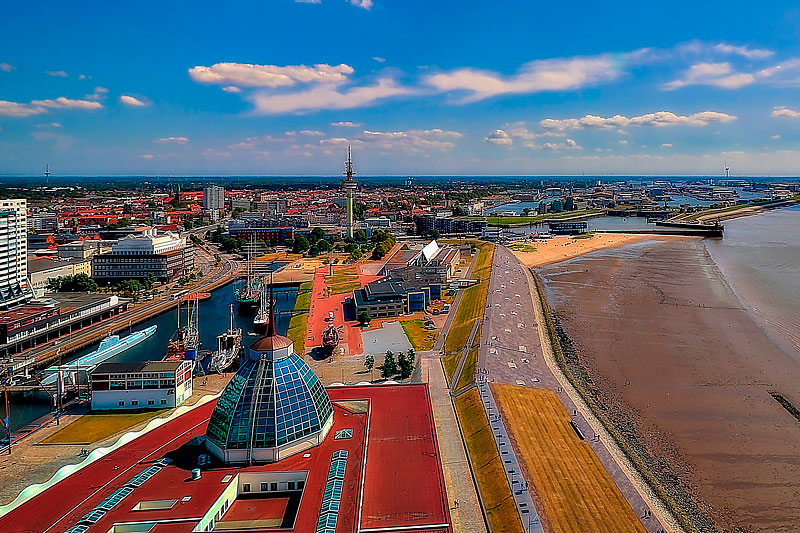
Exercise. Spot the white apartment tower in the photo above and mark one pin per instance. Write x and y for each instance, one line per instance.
(214, 197)
(14, 286)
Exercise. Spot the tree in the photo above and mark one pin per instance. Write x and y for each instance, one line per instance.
(406, 364)
(76, 283)
(389, 366)
(359, 235)
(364, 318)
(187, 224)
(317, 234)
(369, 362)
(300, 245)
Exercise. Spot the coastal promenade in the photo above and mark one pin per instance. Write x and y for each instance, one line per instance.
(515, 350)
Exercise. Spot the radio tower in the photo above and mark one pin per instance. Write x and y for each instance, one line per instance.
(47, 173)
(349, 185)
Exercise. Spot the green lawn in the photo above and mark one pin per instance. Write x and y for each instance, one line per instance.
(469, 308)
(299, 321)
(421, 339)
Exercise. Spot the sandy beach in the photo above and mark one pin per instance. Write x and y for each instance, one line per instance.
(670, 347)
(540, 252)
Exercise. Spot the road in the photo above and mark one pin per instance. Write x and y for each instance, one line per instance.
(511, 352)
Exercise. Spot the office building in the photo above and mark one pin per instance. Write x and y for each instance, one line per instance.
(163, 256)
(14, 287)
(214, 197)
(43, 269)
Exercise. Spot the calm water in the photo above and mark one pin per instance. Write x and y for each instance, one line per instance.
(213, 316)
(760, 258)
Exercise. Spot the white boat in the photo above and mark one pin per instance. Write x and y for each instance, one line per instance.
(109, 347)
(229, 344)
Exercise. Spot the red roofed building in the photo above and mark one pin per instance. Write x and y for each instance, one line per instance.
(286, 454)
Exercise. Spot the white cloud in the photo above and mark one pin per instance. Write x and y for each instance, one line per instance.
(366, 4)
(176, 140)
(82, 77)
(147, 156)
(568, 144)
(57, 73)
(347, 124)
(49, 125)
(744, 51)
(719, 75)
(231, 89)
(308, 1)
(99, 92)
(623, 142)
(15, 109)
(660, 118)
(326, 97)
(784, 112)
(312, 133)
(131, 101)
(272, 76)
(379, 59)
(411, 140)
(499, 137)
(5, 67)
(67, 103)
(536, 76)
(666, 145)
(775, 137)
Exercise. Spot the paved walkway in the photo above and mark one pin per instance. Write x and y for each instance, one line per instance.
(512, 352)
(467, 517)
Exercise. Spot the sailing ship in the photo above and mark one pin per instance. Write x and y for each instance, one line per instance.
(229, 344)
(185, 343)
(330, 338)
(262, 317)
(247, 295)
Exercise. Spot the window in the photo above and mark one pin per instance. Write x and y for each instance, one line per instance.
(246, 487)
(163, 402)
(121, 403)
(273, 487)
(291, 485)
(264, 487)
(301, 484)
(150, 402)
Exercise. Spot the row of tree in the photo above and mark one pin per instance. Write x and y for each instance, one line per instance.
(384, 240)
(391, 366)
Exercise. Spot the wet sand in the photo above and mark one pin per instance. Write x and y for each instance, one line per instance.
(664, 338)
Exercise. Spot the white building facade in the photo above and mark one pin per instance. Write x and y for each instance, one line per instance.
(214, 197)
(14, 287)
(144, 385)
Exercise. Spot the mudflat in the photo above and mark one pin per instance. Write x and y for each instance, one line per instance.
(664, 338)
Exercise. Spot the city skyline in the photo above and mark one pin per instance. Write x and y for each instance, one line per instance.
(454, 89)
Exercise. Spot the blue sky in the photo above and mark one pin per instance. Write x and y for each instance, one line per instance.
(417, 87)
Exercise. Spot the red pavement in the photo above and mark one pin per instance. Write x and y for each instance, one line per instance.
(322, 305)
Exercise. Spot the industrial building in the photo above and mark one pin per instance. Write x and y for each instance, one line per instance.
(275, 452)
(141, 385)
(14, 287)
(163, 256)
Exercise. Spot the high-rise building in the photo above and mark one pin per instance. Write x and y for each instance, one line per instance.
(214, 197)
(14, 287)
(349, 184)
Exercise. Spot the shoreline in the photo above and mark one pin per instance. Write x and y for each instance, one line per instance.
(719, 409)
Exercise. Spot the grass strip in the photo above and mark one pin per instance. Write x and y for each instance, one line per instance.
(94, 427)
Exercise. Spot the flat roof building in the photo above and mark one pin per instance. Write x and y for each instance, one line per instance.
(141, 385)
